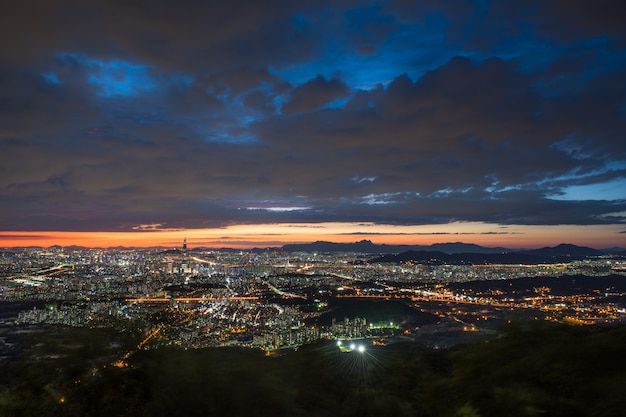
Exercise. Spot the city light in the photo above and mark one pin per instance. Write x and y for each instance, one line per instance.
(352, 347)
(205, 298)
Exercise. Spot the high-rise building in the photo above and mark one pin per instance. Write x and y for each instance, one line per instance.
(184, 244)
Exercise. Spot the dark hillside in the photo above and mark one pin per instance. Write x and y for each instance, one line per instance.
(533, 369)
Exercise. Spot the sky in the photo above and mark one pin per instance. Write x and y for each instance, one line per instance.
(257, 123)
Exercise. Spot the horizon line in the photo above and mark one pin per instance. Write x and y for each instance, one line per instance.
(208, 247)
(271, 235)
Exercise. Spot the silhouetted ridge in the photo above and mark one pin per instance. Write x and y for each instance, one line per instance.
(366, 246)
(560, 253)
(565, 250)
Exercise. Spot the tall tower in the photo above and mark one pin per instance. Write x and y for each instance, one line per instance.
(184, 244)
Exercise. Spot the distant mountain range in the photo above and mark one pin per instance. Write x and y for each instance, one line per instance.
(439, 253)
(366, 246)
(560, 253)
(457, 252)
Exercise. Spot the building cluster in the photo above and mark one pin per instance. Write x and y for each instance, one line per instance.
(348, 329)
(271, 299)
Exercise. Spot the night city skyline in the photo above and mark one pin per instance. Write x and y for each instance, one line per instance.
(256, 124)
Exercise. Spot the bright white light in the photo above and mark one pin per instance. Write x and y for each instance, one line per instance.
(279, 209)
(352, 346)
(361, 349)
(338, 342)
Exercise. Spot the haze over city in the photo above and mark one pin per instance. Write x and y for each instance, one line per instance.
(255, 124)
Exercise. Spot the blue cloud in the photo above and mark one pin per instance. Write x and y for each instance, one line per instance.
(113, 78)
(51, 77)
(610, 190)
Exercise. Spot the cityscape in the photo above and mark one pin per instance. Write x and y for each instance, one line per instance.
(272, 299)
(81, 326)
(312, 208)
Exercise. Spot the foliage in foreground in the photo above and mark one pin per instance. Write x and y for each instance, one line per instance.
(544, 370)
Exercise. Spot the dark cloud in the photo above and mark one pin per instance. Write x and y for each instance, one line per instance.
(237, 81)
(580, 19)
(509, 24)
(115, 114)
(187, 36)
(261, 101)
(315, 94)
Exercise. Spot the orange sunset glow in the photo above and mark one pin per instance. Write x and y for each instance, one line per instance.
(275, 235)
